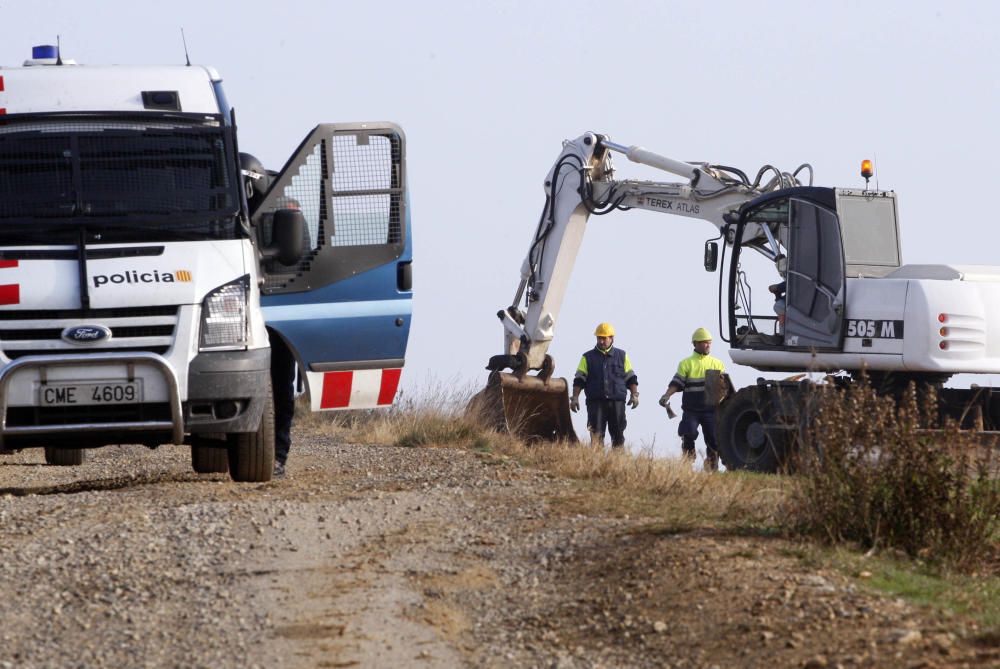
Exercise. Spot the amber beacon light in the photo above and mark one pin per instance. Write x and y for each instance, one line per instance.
(866, 171)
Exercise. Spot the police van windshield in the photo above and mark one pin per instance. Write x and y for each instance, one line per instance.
(122, 180)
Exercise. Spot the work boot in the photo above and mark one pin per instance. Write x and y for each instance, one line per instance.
(687, 450)
(711, 462)
(279, 470)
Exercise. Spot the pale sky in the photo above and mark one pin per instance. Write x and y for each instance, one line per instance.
(486, 93)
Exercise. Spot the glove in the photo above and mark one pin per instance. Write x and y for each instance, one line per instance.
(574, 404)
(664, 400)
(633, 399)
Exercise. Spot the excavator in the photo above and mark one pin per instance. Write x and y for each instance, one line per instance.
(851, 309)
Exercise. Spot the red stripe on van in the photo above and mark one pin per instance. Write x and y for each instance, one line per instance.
(336, 390)
(10, 293)
(390, 382)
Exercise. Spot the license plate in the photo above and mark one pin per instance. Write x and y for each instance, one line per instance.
(80, 394)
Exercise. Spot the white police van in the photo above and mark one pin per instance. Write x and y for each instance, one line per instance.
(133, 270)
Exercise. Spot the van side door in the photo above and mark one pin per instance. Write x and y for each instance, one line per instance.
(344, 308)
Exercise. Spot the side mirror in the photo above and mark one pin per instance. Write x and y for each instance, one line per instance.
(711, 256)
(287, 230)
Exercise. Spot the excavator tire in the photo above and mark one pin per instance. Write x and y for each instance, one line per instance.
(526, 407)
(744, 442)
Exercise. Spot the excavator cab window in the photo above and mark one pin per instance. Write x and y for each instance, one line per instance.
(799, 267)
(756, 314)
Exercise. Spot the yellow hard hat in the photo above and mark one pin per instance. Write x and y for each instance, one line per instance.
(701, 334)
(604, 330)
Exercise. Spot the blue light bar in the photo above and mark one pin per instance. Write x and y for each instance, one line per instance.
(43, 51)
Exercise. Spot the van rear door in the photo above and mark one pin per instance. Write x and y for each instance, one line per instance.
(344, 309)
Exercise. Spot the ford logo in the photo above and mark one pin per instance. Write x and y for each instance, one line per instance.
(86, 334)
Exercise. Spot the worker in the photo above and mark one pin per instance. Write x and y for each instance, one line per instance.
(778, 290)
(283, 389)
(690, 379)
(604, 374)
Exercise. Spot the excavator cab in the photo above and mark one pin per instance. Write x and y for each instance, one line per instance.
(800, 259)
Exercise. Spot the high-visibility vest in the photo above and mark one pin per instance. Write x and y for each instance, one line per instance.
(605, 375)
(690, 378)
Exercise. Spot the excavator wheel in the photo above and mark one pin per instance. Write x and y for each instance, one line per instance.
(744, 443)
(528, 407)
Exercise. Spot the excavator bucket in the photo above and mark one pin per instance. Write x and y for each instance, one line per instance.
(527, 407)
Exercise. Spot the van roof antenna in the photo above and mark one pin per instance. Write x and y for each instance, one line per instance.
(58, 51)
(184, 40)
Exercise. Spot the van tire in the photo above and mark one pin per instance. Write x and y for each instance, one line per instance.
(251, 454)
(209, 456)
(64, 457)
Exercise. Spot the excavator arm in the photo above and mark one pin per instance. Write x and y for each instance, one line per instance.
(581, 183)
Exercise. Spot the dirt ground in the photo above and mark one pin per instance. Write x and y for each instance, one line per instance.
(368, 556)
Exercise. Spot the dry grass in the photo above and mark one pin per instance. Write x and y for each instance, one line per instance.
(666, 488)
(434, 418)
(615, 481)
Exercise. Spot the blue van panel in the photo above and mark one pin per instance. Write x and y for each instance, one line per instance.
(351, 320)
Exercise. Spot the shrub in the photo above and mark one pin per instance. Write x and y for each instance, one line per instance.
(885, 472)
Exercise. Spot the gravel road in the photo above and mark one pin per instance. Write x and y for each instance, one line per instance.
(381, 557)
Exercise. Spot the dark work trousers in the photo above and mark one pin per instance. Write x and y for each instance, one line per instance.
(608, 414)
(283, 387)
(688, 431)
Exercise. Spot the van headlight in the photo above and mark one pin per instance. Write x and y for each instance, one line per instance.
(224, 315)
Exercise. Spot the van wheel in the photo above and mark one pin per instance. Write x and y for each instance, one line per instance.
(251, 454)
(64, 457)
(209, 456)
